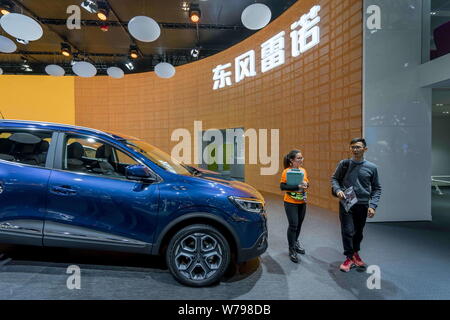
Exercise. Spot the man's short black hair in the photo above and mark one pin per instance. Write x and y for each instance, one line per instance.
(355, 140)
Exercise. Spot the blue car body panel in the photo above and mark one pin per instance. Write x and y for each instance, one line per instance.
(23, 202)
(120, 207)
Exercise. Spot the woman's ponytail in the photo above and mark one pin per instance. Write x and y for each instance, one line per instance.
(290, 156)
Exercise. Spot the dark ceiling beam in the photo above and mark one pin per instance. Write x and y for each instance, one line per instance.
(150, 60)
(125, 28)
(27, 55)
(172, 51)
(165, 25)
(36, 17)
(50, 53)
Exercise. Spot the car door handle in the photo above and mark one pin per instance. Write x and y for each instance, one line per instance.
(63, 190)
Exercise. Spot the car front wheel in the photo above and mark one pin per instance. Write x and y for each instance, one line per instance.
(198, 255)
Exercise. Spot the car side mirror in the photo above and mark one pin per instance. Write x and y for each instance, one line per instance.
(140, 173)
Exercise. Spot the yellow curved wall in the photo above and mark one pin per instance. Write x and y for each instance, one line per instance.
(41, 98)
(314, 99)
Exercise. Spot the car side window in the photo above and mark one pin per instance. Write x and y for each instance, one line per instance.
(93, 156)
(25, 146)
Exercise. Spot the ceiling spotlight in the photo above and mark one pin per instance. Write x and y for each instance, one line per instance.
(90, 6)
(194, 13)
(133, 53)
(129, 65)
(5, 7)
(103, 11)
(185, 6)
(102, 14)
(65, 49)
(75, 59)
(195, 52)
(25, 66)
(22, 41)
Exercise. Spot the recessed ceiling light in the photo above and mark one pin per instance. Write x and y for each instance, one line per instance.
(5, 7)
(133, 53)
(65, 49)
(102, 15)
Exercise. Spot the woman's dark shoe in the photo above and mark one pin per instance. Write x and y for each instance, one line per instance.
(298, 248)
(293, 255)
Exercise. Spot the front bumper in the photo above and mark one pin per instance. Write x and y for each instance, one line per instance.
(257, 249)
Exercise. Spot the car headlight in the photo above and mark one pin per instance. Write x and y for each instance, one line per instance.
(248, 204)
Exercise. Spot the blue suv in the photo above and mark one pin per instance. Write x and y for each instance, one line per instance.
(75, 187)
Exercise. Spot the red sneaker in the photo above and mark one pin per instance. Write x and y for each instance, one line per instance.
(358, 261)
(347, 265)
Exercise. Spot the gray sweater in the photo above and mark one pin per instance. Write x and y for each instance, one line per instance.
(363, 176)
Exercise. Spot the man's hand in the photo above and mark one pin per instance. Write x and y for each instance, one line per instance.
(341, 195)
(371, 212)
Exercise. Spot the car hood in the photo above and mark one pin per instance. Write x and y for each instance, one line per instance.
(243, 188)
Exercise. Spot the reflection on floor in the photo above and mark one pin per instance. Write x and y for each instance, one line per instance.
(413, 258)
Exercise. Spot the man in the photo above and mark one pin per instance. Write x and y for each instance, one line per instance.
(362, 175)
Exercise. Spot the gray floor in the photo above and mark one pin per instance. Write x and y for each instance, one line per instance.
(414, 259)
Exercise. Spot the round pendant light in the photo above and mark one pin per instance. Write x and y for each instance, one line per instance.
(7, 45)
(144, 28)
(256, 16)
(84, 69)
(115, 72)
(164, 70)
(21, 26)
(54, 70)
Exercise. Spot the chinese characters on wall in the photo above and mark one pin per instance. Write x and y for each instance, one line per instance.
(305, 34)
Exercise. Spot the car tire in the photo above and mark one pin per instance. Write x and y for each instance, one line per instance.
(198, 255)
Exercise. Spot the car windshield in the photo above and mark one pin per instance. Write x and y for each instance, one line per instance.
(157, 156)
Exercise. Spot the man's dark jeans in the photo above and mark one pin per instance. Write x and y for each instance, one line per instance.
(352, 226)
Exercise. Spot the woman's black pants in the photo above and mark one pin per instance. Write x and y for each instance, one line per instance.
(295, 214)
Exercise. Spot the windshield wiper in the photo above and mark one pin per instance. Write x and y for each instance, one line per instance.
(192, 170)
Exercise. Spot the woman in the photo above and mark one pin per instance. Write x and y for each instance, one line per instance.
(294, 202)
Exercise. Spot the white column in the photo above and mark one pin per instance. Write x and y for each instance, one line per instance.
(397, 111)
